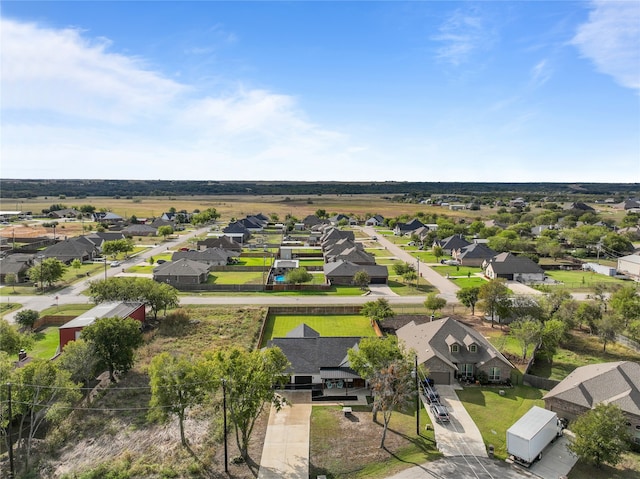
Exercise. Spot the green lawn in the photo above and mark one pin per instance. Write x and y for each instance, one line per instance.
(46, 343)
(400, 287)
(424, 256)
(311, 262)
(494, 414)
(582, 280)
(581, 349)
(469, 282)
(244, 261)
(141, 269)
(456, 270)
(327, 325)
(388, 262)
(236, 277)
(67, 310)
(507, 344)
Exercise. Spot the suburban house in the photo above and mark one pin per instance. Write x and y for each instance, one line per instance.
(98, 238)
(332, 235)
(335, 247)
(107, 217)
(209, 256)
(342, 272)
(223, 242)
(452, 243)
(64, 213)
(254, 225)
(352, 255)
(513, 268)
(630, 265)
(71, 331)
(375, 220)
(334, 220)
(452, 350)
(473, 255)
(402, 229)
(181, 272)
(139, 230)
(17, 264)
(317, 362)
(74, 248)
(611, 383)
(631, 232)
(631, 205)
(581, 207)
(237, 231)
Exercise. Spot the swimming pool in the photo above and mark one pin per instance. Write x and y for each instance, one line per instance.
(279, 279)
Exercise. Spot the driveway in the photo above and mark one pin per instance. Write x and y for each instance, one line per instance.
(285, 453)
(466, 467)
(556, 460)
(461, 437)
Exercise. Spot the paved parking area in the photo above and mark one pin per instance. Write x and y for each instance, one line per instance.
(556, 460)
(464, 468)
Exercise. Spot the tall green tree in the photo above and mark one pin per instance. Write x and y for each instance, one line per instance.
(362, 279)
(434, 303)
(608, 326)
(377, 310)
(553, 331)
(626, 303)
(528, 332)
(601, 435)
(27, 318)
(11, 341)
(469, 296)
(115, 247)
(588, 312)
(492, 293)
(176, 385)
(373, 354)
(115, 341)
(165, 231)
(11, 279)
(298, 276)
(43, 392)
(48, 271)
(438, 252)
(80, 360)
(250, 377)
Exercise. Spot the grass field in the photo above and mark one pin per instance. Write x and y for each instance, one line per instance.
(579, 350)
(468, 282)
(582, 281)
(494, 414)
(507, 345)
(46, 343)
(67, 310)
(236, 277)
(456, 270)
(278, 326)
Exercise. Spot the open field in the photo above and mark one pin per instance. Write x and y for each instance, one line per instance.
(46, 343)
(494, 414)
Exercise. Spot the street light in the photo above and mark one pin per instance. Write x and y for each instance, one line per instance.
(415, 375)
(418, 276)
(105, 268)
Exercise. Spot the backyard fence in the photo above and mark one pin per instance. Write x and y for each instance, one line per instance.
(540, 383)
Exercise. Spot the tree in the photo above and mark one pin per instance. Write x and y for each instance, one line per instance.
(634, 330)
(438, 252)
(42, 392)
(362, 279)
(176, 385)
(618, 244)
(626, 302)
(114, 247)
(48, 271)
(157, 296)
(27, 318)
(165, 231)
(402, 268)
(298, 276)
(567, 313)
(601, 435)
(321, 213)
(552, 334)
(79, 360)
(410, 276)
(377, 310)
(552, 301)
(249, 377)
(492, 293)
(11, 279)
(527, 332)
(12, 341)
(434, 303)
(392, 388)
(374, 354)
(588, 313)
(469, 297)
(115, 341)
(608, 326)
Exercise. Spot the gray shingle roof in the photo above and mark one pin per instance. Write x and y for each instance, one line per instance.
(476, 250)
(181, 267)
(344, 268)
(507, 263)
(616, 383)
(435, 338)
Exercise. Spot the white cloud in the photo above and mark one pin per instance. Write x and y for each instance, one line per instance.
(72, 109)
(611, 39)
(461, 35)
(540, 73)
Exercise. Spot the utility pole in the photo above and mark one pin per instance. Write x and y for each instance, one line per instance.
(224, 408)
(12, 470)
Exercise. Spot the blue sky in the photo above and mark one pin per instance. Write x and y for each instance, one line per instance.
(345, 91)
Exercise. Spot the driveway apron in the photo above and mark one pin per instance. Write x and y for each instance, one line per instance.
(285, 453)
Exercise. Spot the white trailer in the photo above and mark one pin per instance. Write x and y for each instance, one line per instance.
(531, 434)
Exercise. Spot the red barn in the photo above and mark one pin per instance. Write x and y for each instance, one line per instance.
(71, 331)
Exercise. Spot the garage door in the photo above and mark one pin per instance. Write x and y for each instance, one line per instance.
(440, 377)
(303, 379)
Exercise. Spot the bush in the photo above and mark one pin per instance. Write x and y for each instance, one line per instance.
(175, 324)
(483, 377)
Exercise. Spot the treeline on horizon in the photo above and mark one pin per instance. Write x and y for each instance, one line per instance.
(21, 188)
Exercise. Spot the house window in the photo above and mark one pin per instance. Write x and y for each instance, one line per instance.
(494, 374)
(455, 348)
(473, 348)
(466, 370)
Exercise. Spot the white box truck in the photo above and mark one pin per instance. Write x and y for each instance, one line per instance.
(531, 434)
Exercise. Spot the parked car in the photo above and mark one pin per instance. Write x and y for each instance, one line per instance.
(115, 264)
(440, 413)
(161, 261)
(433, 396)
(374, 238)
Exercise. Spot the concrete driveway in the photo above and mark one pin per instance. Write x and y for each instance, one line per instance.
(461, 436)
(463, 468)
(285, 453)
(556, 460)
